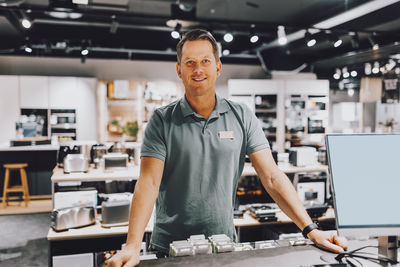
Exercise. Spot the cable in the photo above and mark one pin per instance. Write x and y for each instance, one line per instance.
(352, 255)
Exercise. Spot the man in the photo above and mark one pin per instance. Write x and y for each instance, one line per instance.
(192, 157)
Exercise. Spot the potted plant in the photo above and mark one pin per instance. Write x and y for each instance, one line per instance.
(131, 129)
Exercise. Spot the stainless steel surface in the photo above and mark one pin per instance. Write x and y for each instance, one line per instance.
(76, 163)
(64, 219)
(115, 161)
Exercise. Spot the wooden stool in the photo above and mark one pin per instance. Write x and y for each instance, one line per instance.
(16, 188)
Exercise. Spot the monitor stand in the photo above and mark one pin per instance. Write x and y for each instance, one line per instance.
(387, 247)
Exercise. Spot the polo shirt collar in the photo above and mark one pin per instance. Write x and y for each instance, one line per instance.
(220, 107)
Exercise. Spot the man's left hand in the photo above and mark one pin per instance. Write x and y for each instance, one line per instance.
(328, 240)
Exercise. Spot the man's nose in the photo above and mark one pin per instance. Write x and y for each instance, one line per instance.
(197, 68)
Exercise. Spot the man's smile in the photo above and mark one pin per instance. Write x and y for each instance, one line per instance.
(198, 79)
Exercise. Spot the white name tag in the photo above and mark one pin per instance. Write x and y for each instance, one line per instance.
(226, 135)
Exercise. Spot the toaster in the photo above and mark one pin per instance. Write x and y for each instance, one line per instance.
(302, 156)
(115, 213)
(115, 161)
(74, 217)
(76, 163)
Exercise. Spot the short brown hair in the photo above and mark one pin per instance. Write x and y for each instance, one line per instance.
(194, 35)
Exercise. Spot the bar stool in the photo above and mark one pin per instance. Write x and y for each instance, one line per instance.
(16, 188)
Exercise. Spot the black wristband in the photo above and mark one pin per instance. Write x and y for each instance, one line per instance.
(309, 228)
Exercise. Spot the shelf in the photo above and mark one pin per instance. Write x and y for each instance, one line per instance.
(122, 99)
(122, 102)
(64, 126)
(266, 110)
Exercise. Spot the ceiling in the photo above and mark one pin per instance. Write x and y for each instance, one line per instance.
(141, 29)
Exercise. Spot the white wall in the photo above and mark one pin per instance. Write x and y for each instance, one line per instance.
(9, 107)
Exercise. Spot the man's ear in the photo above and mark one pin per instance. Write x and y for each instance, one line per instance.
(219, 67)
(178, 70)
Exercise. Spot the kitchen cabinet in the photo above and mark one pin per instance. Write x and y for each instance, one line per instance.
(288, 110)
(9, 106)
(34, 92)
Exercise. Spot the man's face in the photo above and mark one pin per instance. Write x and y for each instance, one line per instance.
(198, 68)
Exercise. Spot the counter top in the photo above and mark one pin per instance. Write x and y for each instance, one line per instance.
(130, 173)
(5, 148)
(249, 169)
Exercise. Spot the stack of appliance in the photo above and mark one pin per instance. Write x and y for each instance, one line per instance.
(263, 212)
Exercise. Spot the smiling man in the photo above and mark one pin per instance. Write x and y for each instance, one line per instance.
(193, 155)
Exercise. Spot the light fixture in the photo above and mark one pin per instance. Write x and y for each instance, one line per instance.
(228, 37)
(355, 40)
(337, 42)
(84, 49)
(254, 38)
(350, 92)
(375, 69)
(390, 65)
(397, 70)
(309, 39)
(175, 33)
(353, 73)
(374, 45)
(367, 68)
(114, 24)
(226, 52)
(28, 49)
(345, 72)
(282, 39)
(336, 76)
(26, 23)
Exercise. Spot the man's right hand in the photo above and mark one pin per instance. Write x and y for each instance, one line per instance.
(124, 258)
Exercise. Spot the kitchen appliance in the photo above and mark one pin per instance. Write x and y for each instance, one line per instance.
(115, 213)
(63, 123)
(115, 161)
(74, 217)
(302, 156)
(97, 152)
(76, 163)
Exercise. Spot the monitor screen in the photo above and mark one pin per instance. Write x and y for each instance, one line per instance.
(365, 178)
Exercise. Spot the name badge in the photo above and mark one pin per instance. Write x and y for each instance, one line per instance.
(226, 135)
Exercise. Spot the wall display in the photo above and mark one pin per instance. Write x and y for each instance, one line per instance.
(391, 88)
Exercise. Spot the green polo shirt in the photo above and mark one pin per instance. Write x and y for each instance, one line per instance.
(204, 159)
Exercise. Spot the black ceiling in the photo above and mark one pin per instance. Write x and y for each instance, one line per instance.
(137, 29)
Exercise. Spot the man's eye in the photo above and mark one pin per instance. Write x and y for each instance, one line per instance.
(189, 62)
(206, 60)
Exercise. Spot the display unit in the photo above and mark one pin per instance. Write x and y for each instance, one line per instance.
(365, 181)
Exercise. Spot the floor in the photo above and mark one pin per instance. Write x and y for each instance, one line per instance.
(23, 240)
(35, 206)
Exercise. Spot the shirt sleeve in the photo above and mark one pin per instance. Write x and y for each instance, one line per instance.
(256, 139)
(154, 144)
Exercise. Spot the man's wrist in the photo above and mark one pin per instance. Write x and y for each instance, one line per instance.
(309, 228)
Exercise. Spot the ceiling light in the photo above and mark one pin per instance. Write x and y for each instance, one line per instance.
(175, 33)
(228, 37)
(337, 43)
(254, 38)
(375, 70)
(397, 70)
(226, 52)
(345, 72)
(353, 73)
(350, 92)
(282, 39)
(309, 39)
(374, 45)
(28, 49)
(390, 65)
(337, 74)
(355, 40)
(26, 23)
(367, 68)
(84, 52)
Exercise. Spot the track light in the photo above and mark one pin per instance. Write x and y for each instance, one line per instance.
(282, 39)
(350, 92)
(114, 25)
(309, 39)
(374, 45)
(355, 40)
(28, 49)
(353, 73)
(175, 33)
(226, 52)
(375, 69)
(254, 38)
(228, 37)
(337, 41)
(26, 23)
(336, 76)
(367, 68)
(345, 72)
(84, 49)
(390, 65)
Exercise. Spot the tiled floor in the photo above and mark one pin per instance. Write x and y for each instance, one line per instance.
(23, 240)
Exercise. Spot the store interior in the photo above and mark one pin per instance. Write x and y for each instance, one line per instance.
(80, 79)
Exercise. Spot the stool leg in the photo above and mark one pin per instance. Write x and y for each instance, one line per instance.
(5, 187)
(24, 182)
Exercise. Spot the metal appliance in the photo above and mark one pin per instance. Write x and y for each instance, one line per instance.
(74, 217)
(115, 161)
(76, 163)
(302, 156)
(115, 213)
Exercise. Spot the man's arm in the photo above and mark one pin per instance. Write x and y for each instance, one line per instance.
(282, 191)
(146, 192)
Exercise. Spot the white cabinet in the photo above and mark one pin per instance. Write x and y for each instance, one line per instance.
(9, 107)
(34, 91)
(79, 94)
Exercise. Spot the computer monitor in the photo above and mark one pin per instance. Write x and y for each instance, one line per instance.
(365, 179)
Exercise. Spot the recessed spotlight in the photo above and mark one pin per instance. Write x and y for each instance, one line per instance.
(26, 23)
(228, 37)
(353, 73)
(345, 72)
(28, 49)
(254, 38)
(226, 52)
(350, 92)
(375, 69)
(309, 39)
(336, 76)
(175, 35)
(337, 43)
(84, 52)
